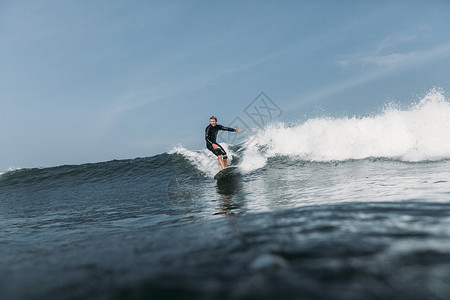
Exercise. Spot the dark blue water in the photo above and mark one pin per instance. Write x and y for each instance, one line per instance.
(159, 227)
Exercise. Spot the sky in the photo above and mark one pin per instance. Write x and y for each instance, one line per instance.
(88, 81)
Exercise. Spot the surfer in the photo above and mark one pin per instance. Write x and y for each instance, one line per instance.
(210, 136)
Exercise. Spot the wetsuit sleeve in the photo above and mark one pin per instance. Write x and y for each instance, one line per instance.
(226, 128)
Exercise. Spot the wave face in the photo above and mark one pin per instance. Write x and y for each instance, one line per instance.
(417, 134)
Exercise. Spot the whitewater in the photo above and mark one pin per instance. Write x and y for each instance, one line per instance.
(419, 133)
(333, 207)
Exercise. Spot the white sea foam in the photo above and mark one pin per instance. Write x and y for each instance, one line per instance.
(204, 159)
(416, 134)
(10, 169)
(420, 133)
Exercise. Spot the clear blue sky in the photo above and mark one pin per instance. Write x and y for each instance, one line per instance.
(88, 81)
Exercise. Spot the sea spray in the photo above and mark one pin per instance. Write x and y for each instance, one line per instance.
(416, 134)
(203, 160)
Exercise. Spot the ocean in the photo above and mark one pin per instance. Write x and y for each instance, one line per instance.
(329, 208)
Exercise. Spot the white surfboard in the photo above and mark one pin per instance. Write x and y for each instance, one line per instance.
(225, 172)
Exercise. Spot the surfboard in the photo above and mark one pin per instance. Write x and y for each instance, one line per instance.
(224, 172)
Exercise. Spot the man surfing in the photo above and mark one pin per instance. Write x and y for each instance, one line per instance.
(210, 136)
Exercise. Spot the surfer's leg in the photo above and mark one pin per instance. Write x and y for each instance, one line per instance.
(223, 156)
(221, 161)
(218, 152)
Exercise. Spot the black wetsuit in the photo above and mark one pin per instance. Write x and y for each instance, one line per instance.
(210, 137)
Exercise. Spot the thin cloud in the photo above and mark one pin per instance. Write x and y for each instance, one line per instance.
(389, 52)
(384, 65)
(390, 60)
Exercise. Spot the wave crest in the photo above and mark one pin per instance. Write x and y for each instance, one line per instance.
(416, 134)
(419, 133)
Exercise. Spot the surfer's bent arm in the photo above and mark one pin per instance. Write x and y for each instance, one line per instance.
(207, 136)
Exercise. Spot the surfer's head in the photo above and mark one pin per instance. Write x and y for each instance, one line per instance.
(213, 120)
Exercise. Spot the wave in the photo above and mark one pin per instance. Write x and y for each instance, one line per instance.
(419, 133)
(416, 134)
(116, 171)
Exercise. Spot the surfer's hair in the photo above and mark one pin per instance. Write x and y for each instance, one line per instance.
(213, 117)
